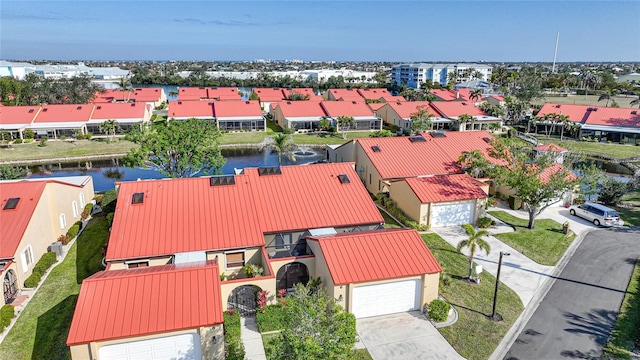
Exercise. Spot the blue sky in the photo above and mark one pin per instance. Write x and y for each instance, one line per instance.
(320, 30)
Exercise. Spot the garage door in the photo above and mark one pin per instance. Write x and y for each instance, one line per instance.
(452, 214)
(179, 347)
(390, 298)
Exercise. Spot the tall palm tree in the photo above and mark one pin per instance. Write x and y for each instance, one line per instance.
(606, 95)
(124, 85)
(345, 123)
(464, 119)
(109, 127)
(475, 95)
(474, 242)
(564, 122)
(635, 102)
(283, 145)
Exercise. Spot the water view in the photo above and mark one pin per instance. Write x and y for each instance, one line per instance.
(106, 172)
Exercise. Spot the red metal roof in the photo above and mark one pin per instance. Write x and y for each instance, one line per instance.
(576, 113)
(60, 113)
(373, 93)
(117, 111)
(376, 255)
(182, 215)
(18, 114)
(376, 106)
(625, 117)
(391, 98)
(192, 93)
(14, 222)
(303, 91)
(236, 108)
(345, 94)
(457, 142)
(269, 94)
(550, 147)
(135, 302)
(444, 188)
(445, 95)
(291, 109)
(546, 174)
(311, 196)
(347, 108)
(223, 93)
(139, 94)
(452, 109)
(407, 108)
(187, 109)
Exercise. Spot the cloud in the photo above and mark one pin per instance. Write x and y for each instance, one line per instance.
(232, 23)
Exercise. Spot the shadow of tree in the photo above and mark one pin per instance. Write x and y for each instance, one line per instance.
(91, 244)
(577, 354)
(596, 324)
(52, 331)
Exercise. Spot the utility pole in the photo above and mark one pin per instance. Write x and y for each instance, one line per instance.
(555, 54)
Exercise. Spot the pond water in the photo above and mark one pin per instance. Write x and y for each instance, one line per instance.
(106, 172)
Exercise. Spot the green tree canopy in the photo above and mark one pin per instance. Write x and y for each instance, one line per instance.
(109, 127)
(177, 148)
(283, 145)
(10, 173)
(421, 120)
(344, 124)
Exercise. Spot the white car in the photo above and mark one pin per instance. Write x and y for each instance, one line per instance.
(597, 214)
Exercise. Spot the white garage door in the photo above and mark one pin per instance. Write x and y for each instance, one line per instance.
(452, 214)
(395, 297)
(178, 347)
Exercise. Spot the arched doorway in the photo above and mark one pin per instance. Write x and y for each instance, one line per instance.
(244, 299)
(292, 274)
(10, 287)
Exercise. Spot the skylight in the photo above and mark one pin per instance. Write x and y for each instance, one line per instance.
(137, 198)
(375, 148)
(269, 171)
(344, 178)
(487, 140)
(11, 204)
(222, 180)
(438, 134)
(417, 138)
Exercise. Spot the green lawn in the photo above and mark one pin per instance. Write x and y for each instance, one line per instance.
(389, 223)
(545, 244)
(623, 101)
(249, 137)
(473, 335)
(63, 149)
(617, 151)
(626, 333)
(41, 330)
(326, 138)
(630, 212)
(270, 339)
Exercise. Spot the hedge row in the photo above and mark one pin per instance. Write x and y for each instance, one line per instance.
(7, 313)
(41, 267)
(390, 205)
(73, 231)
(272, 319)
(439, 310)
(233, 347)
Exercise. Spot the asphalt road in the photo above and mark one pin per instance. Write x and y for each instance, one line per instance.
(576, 316)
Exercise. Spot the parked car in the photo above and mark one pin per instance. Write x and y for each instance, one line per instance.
(597, 214)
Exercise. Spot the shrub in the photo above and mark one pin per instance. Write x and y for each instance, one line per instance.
(252, 270)
(17, 141)
(515, 203)
(110, 218)
(84, 215)
(233, 348)
(73, 231)
(7, 312)
(272, 319)
(63, 138)
(108, 201)
(88, 135)
(43, 142)
(79, 223)
(41, 267)
(89, 207)
(29, 134)
(262, 300)
(438, 310)
(97, 198)
(485, 222)
(64, 239)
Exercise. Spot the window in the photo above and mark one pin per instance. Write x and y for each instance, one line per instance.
(74, 206)
(137, 264)
(63, 221)
(11, 204)
(82, 200)
(235, 259)
(27, 258)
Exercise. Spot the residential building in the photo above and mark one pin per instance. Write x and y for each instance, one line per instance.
(400, 114)
(358, 109)
(125, 114)
(153, 96)
(301, 115)
(16, 119)
(208, 93)
(33, 214)
(239, 115)
(343, 94)
(452, 110)
(414, 75)
(56, 121)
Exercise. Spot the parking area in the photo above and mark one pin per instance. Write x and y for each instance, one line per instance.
(403, 336)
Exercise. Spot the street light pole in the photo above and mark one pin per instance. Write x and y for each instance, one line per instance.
(494, 316)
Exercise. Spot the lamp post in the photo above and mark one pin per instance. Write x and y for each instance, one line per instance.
(494, 316)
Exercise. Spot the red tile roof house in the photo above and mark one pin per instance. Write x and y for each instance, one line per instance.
(15, 119)
(55, 121)
(358, 109)
(263, 217)
(304, 91)
(266, 96)
(239, 115)
(400, 113)
(343, 94)
(126, 114)
(451, 95)
(301, 115)
(208, 93)
(33, 214)
(153, 96)
(431, 154)
(606, 124)
(186, 109)
(552, 150)
(453, 109)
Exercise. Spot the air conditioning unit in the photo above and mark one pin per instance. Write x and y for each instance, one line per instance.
(56, 247)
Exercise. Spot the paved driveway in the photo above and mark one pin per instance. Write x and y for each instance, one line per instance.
(403, 336)
(577, 315)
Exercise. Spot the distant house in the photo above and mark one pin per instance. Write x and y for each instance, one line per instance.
(358, 109)
(153, 96)
(15, 119)
(239, 115)
(400, 114)
(125, 114)
(301, 115)
(555, 152)
(208, 93)
(33, 214)
(266, 96)
(497, 100)
(343, 94)
(55, 121)
(452, 110)
(373, 94)
(186, 109)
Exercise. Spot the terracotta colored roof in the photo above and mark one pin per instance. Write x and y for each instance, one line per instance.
(64, 113)
(135, 302)
(14, 222)
(463, 94)
(117, 111)
(376, 255)
(373, 93)
(303, 91)
(147, 94)
(625, 117)
(138, 94)
(347, 108)
(445, 95)
(546, 174)
(550, 147)
(237, 108)
(376, 106)
(182, 215)
(291, 109)
(391, 98)
(188, 109)
(345, 94)
(309, 197)
(269, 94)
(192, 93)
(457, 142)
(576, 113)
(18, 114)
(444, 188)
(452, 109)
(223, 93)
(407, 108)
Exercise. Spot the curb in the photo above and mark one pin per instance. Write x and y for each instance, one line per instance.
(510, 337)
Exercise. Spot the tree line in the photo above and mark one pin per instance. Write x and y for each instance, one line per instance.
(36, 90)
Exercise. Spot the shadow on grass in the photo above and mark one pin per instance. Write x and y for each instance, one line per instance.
(468, 309)
(52, 331)
(91, 244)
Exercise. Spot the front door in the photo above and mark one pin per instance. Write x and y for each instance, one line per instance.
(10, 287)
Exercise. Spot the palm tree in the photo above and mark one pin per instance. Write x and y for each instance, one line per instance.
(124, 85)
(606, 95)
(564, 122)
(109, 127)
(475, 95)
(473, 163)
(283, 144)
(635, 102)
(344, 123)
(464, 119)
(474, 243)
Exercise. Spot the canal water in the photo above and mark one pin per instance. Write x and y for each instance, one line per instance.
(106, 172)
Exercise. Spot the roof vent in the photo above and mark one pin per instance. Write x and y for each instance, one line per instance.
(464, 103)
(222, 180)
(11, 204)
(558, 106)
(98, 107)
(289, 102)
(595, 109)
(137, 198)
(248, 102)
(344, 179)
(417, 138)
(375, 148)
(354, 102)
(79, 108)
(273, 170)
(201, 88)
(438, 134)
(133, 104)
(45, 109)
(30, 111)
(214, 87)
(179, 102)
(634, 112)
(487, 140)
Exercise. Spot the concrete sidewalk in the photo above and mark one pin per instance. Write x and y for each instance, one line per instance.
(251, 339)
